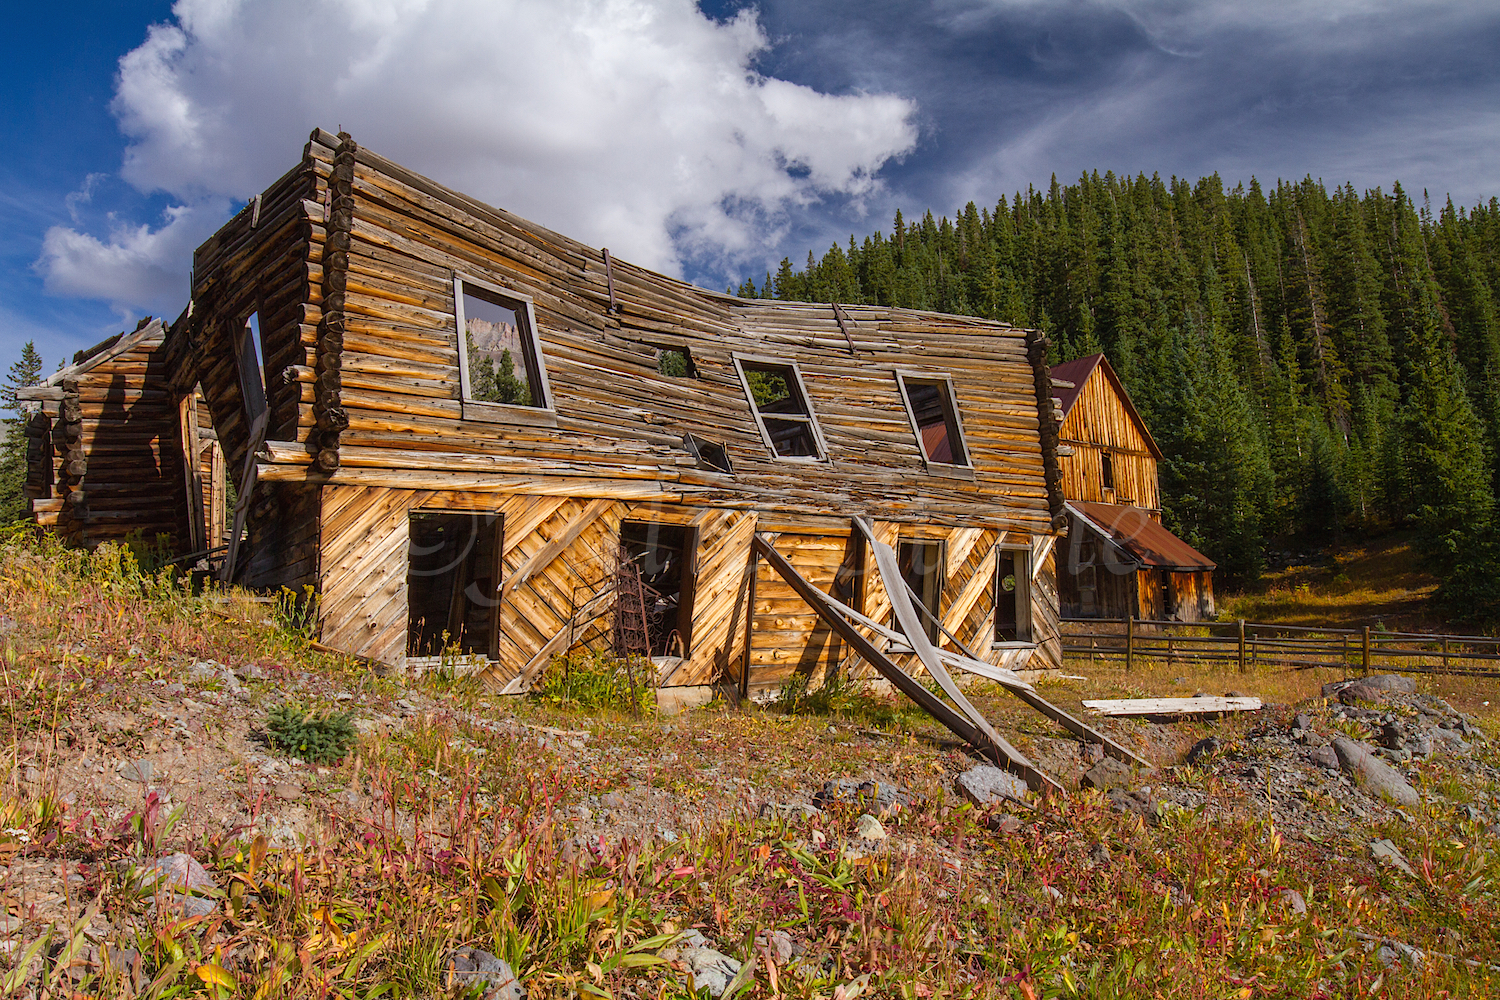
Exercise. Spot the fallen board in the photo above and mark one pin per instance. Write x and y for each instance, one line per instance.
(1172, 706)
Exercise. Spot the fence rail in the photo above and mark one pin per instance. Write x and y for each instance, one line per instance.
(1252, 644)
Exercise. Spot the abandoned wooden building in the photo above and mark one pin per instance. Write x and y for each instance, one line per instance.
(471, 437)
(1118, 560)
(113, 456)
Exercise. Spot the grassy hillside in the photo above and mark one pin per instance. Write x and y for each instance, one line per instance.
(579, 842)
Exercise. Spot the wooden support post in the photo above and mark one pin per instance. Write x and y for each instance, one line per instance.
(749, 625)
(1445, 652)
(1129, 643)
(1365, 657)
(1242, 644)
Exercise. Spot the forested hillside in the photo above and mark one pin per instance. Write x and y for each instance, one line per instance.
(1314, 364)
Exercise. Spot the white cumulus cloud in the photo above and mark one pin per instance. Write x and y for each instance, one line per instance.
(641, 125)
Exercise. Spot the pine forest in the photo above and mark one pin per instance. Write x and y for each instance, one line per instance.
(1315, 366)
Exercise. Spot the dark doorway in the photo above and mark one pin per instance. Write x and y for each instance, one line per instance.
(921, 565)
(664, 554)
(453, 584)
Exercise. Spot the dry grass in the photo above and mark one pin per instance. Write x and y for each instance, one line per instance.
(473, 838)
(1380, 583)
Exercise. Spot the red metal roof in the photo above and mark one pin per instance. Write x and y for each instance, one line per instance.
(1132, 529)
(1078, 371)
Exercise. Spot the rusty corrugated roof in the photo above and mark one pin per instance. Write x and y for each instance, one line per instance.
(1132, 529)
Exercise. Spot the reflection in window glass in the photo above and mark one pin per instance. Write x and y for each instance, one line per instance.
(497, 353)
(932, 408)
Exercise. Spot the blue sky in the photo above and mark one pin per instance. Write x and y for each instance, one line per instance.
(706, 140)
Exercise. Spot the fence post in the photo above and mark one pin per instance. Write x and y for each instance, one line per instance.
(1242, 645)
(1445, 652)
(1365, 657)
(1129, 642)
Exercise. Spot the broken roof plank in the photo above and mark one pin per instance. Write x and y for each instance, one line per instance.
(1172, 706)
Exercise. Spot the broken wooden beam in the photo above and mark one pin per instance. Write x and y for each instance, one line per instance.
(1172, 706)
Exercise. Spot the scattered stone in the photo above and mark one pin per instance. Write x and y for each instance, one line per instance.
(1004, 822)
(778, 810)
(1108, 773)
(1204, 749)
(1376, 688)
(1472, 814)
(1054, 892)
(1293, 899)
(779, 943)
(867, 827)
(1378, 777)
(1324, 756)
(1302, 722)
(1100, 855)
(614, 800)
(183, 879)
(1387, 853)
(710, 969)
(287, 791)
(138, 771)
(886, 798)
(1390, 951)
(471, 967)
(987, 785)
(1138, 803)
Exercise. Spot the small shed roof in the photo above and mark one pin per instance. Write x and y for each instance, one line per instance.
(1078, 371)
(1133, 530)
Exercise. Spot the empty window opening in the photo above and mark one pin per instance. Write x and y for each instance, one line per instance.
(1106, 470)
(252, 372)
(934, 415)
(921, 565)
(453, 584)
(676, 362)
(710, 454)
(664, 555)
(781, 409)
(1013, 595)
(499, 354)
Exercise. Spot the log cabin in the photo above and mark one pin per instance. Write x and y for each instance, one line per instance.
(113, 456)
(1118, 560)
(468, 435)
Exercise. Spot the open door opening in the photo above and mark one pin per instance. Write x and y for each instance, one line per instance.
(664, 554)
(453, 584)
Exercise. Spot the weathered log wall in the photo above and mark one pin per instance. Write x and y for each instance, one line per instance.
(1098, 422)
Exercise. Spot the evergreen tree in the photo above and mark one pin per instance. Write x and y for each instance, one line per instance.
(27, 371)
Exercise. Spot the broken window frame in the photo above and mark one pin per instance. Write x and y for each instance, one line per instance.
(542, 411)
(712, 456)
(687, 357)
(250, 365)
(951, 416)
(1018, 557)
(937, 585)
(808, 416)
(1106, 470)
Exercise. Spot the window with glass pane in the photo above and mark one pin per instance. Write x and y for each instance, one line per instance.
(781, 409)
(499, 349)
(935, 418)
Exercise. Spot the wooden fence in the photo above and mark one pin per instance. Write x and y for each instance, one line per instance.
(1248, 645)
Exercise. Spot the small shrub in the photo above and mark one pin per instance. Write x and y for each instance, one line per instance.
(321, 739)
(597, 681)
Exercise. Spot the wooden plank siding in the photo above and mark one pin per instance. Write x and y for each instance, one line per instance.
(350, 268)
(1100, 421)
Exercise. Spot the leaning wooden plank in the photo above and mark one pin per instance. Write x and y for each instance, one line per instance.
(1012, 683)
(559, 643)
(997, 749)
(556, 547)
(1172, 706)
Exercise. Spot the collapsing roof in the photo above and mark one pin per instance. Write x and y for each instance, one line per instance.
(1133, 530)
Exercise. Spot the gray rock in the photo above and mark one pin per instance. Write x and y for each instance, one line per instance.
(183, 882)
(1376, 688)
(1100, 855)
(786, 810)
(1054, 892)
(1303, 722)
(987, 785)
(471, 967)
(1004, 823)
(885, 797)
(1377, 776)
(869, 828)
(1390, 951)
(1204, 749)
(1324, 756)
(778, 943)
(1386, 853)
(137, 770)
(1293, 899)
(712, 970)
(1137, 803)
(1108, 773)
